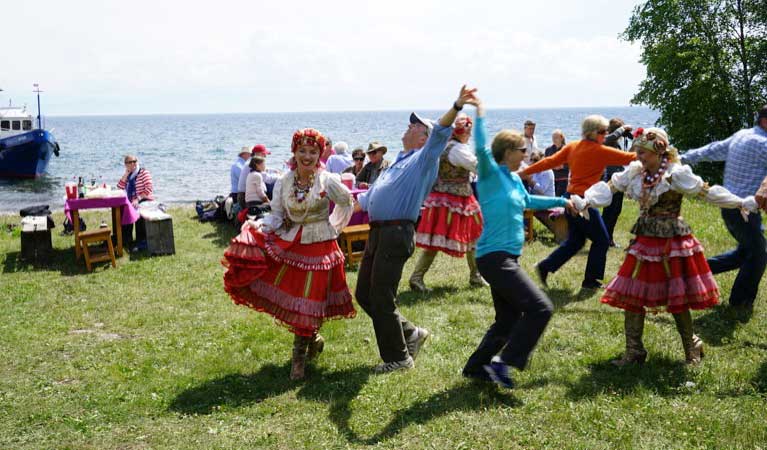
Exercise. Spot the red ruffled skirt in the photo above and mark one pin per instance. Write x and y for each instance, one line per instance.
(300, 285)
(659, 274)
(449, 223)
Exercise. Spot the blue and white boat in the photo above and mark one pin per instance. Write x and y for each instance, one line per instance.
(25, 150)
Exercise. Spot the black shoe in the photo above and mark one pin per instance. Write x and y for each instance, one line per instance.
(591, 284)
(499, 373)
(543, 274)
(743, 311)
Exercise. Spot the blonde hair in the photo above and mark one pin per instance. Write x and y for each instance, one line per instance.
(592, 124)
(506, 140)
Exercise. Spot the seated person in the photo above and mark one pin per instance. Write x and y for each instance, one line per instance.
(341, 160)
(256, 199)
(541, 183)
(376, 164)
(137, 183)
(358, 157)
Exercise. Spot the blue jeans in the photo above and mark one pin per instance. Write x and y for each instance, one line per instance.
(750, 256)
(579, 229)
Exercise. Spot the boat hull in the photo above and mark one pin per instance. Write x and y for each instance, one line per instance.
(26, 155)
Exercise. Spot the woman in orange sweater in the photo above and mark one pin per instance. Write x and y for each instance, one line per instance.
(587, 160)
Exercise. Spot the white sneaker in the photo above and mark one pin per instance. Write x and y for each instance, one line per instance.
(394, 365)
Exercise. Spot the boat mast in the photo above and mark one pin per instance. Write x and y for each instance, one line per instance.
(38, 91)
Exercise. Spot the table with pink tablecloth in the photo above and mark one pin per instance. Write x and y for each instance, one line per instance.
(361, 217)
(122, 212)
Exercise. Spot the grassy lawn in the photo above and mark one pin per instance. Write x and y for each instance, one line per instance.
(153, 354)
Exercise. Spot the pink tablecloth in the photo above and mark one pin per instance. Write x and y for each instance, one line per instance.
(129, 214)
(357, 218)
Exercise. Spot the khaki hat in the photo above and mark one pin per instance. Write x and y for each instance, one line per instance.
(375, 146)
(244, 150)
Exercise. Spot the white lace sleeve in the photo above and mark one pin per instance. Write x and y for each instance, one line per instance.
(621, 180)
(273, 220)
(461, 155)
(340, 195)
(599, 195)
(683, 180)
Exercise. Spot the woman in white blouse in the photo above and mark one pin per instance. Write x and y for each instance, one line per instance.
(664, 267)
(256, 199)
(289, 264)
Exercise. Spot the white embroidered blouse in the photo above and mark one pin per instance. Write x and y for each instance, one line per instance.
(313, 212)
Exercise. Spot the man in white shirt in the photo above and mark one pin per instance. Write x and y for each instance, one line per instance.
(530, 142)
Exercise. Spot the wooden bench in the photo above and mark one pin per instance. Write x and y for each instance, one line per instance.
(350, 235)
(99, 235)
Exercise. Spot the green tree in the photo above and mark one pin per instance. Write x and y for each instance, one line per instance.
(706, 66)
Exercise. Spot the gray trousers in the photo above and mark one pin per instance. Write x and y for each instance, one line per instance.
(387, 250)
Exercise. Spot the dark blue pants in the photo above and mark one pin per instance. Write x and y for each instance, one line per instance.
(750, 256)
(522, 312)
(579, 229)
(611, 213)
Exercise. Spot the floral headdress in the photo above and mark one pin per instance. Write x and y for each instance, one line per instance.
(307, 136)
(656, 141)
(462, 125)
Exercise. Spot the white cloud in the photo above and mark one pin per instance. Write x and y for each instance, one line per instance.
(237, 56)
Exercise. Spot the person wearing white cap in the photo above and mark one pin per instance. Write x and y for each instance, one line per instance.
(393, 203)
(236, 169)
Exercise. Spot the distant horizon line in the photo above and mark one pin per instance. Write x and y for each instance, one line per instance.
(537, 108)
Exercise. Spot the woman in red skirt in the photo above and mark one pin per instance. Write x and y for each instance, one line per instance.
(289, 264)
(664, 267)
(451, 221)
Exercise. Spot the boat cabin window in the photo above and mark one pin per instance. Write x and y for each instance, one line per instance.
(26, 125)
(5, 125)
(16, 125)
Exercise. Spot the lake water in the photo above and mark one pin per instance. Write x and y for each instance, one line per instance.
(189, 155)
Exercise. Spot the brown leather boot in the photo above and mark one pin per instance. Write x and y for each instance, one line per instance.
(298, 363)
(475, 279)
(421, 267)
(633, 324)
(692, 344)
(316, 346)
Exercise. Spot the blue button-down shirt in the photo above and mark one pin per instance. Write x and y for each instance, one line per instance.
(400, 190)
(503, 199)
(234, 174)
(745, 156)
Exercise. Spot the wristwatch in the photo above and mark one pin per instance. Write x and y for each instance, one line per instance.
(456, 107)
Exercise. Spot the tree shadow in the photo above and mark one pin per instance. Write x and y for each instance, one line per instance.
(466, 396)
(662, 375)
(717, 327)
(760, 379)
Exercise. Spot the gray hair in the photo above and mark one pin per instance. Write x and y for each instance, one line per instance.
(592, 125)
(341, 147)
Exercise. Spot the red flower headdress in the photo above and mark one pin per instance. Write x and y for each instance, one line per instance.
(307, 136)
(462, 125)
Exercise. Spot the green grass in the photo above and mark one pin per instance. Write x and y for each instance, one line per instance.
(153, 354)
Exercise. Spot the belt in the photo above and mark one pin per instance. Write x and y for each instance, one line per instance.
(389, 223)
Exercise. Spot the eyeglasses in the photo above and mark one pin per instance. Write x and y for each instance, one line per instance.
(132, 161)
(359, 158)
(602, 132)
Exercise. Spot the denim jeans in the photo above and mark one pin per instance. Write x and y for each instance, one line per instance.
(750, 256)
(578, 230)
(522, 312)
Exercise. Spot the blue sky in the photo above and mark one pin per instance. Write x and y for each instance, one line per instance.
(172, 56)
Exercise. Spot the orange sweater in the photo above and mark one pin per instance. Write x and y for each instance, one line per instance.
(587, 161)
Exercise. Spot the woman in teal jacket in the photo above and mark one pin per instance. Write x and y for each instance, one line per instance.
(522, 310)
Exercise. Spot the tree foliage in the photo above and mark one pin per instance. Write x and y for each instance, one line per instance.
(706, 66)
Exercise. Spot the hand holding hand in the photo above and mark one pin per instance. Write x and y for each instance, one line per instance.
(466, 95)
(570, 208)
(761, 198)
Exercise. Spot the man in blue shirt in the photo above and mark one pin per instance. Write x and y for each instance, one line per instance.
(234, 171)
(393, 204)
(745, 156)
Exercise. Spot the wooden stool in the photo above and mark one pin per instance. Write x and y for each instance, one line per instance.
(528, 223)
(350, 235)
(100, 235)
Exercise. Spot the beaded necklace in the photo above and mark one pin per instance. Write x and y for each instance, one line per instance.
(649, 181)
(300, 193)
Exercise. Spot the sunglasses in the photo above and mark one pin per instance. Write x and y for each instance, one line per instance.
(359, 158)
(133, 161)
(602, 132)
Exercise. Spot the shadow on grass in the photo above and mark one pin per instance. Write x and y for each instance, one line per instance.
(466, 396)
(62, 260)
(221, 233)
(411, 297)
(717, 327)
(662, 376)
(562, 297)
(337, 389)
(760, 379)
